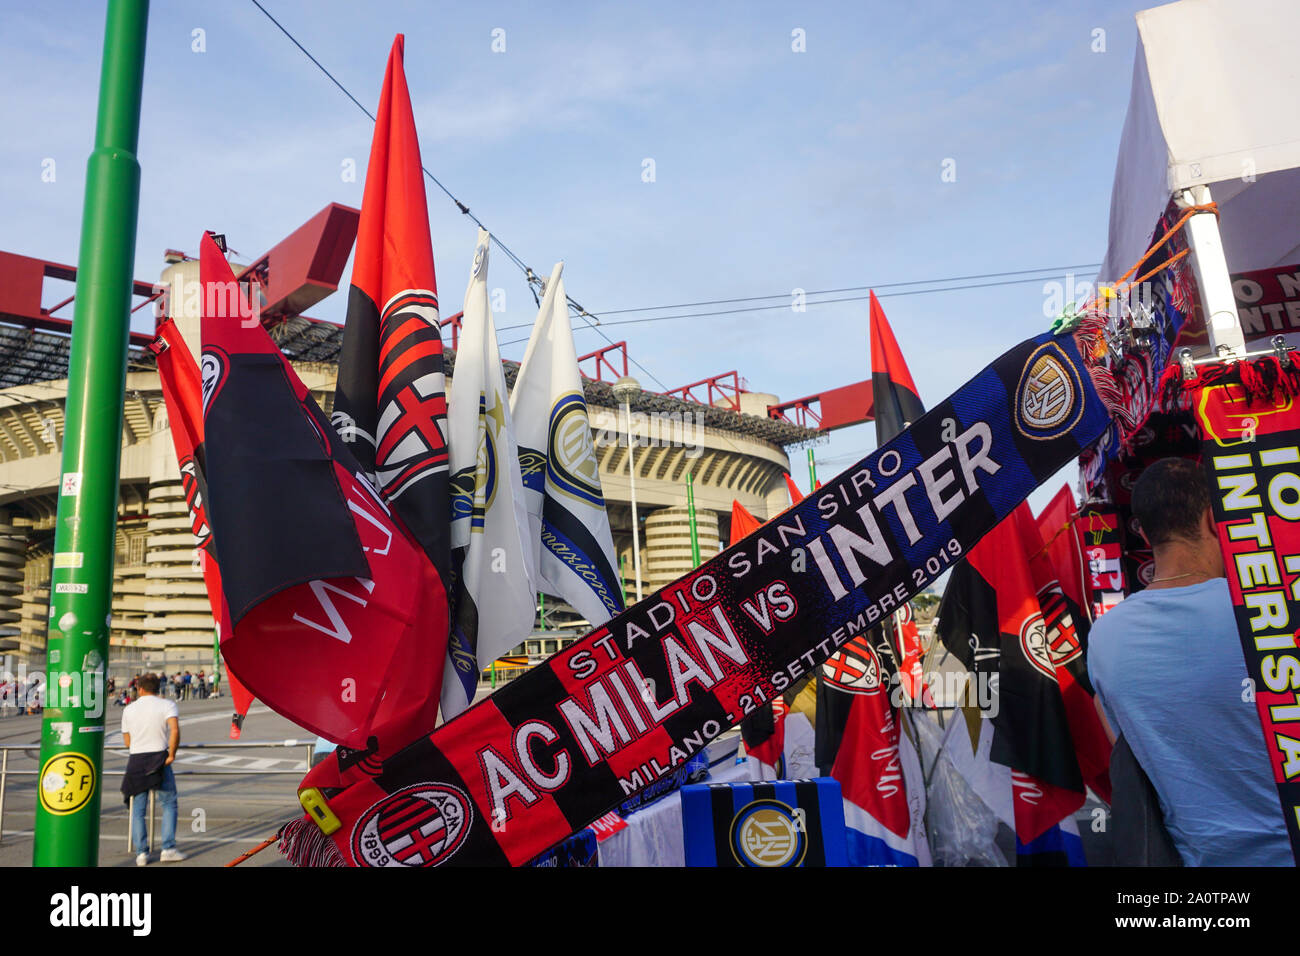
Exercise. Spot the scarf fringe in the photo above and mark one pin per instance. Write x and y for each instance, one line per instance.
(302, 844)
(1090, 339)
(1265, 380)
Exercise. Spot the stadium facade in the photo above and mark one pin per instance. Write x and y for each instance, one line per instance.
(732, 449)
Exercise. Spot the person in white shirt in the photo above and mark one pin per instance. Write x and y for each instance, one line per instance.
(151, 732)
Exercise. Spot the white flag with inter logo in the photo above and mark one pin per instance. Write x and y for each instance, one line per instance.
(568, 526)
(492, 599)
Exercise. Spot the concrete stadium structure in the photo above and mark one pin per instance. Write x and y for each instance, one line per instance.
(732, 448)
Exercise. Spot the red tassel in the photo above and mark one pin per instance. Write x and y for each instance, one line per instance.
(302, 844)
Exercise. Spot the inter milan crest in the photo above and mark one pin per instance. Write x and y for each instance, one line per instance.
(571, 461)
(854, 669)
(1049, 398)
(769, 833)
(422, 825)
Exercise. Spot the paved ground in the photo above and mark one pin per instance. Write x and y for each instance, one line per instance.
(229, 802)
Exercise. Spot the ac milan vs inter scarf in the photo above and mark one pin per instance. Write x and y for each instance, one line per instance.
(632, 701)
(1250, 448)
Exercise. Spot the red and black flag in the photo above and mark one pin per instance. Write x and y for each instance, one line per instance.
(182, 391)
(992, 620)
(391, 403)
(1059, 577)
(897, 404)
(1063, 549)
(895, 400)
(330, 602)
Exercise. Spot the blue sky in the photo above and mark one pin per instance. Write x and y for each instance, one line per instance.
(774, 169)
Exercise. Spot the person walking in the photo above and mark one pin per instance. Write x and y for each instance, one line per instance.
(151, 731)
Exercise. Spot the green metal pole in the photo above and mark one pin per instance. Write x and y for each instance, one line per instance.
(690, 508)
(812, 471)
(622, 577)
(72, 732)
(541, 608)
(216, 663)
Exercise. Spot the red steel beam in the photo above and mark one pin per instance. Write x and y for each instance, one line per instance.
(723, 390)
(22, 281)
(602, 362)
(306, 265)
(836, 408)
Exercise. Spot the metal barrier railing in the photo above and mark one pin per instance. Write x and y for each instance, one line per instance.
(308, 745)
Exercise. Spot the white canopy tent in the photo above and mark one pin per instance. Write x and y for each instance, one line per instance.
(1214, 113)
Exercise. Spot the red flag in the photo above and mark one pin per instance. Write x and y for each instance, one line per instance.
(796, 495)
(895, 400)
(1057, 567)
(1064, 549)
(337, 617)
(182, 391)
(391, 403)
(743, 524)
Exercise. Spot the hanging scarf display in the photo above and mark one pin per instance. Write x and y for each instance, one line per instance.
(636, 698)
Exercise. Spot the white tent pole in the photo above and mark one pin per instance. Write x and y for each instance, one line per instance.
(1217, 300)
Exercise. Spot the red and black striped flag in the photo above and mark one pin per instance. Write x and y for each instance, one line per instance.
(391, 403)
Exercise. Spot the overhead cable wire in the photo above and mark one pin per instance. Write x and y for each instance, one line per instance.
(787, 306)
(530, 276)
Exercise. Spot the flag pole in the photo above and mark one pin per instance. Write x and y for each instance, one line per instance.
(690, 509)
(72, 731)
(812, 471)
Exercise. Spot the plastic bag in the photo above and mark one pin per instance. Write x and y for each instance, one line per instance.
(961, 828)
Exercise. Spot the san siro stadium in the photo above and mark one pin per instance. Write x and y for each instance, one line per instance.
(731, 441)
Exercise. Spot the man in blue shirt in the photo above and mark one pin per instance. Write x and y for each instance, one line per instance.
(1170, 677)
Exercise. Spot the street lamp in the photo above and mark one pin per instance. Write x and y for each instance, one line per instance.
(625, 390)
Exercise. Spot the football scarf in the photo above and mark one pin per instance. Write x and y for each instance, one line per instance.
(775, 824)
(636, 698)
(762, 733)
(329, 599)
(182, 390)
(1250, 426)
(1099, 530)
(391, 404)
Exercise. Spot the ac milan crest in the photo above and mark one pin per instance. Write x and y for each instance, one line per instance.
(192, 486)
(421, 825)
(1049, 639)
(410, 440)
(214, 364)
(854, 668)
